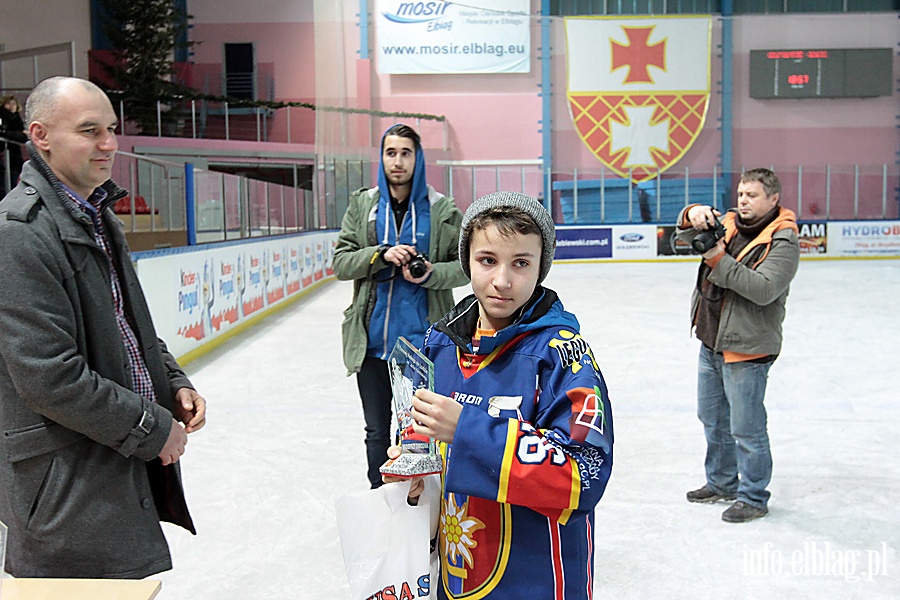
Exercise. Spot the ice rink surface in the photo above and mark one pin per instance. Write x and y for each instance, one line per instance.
(285, 438)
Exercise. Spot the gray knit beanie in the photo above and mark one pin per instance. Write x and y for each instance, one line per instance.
(532, 206)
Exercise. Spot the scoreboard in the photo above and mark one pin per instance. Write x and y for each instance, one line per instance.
(821, 73)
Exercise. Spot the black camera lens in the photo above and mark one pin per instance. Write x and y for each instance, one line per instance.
(708, 238)
(703, 241)
(417, 267)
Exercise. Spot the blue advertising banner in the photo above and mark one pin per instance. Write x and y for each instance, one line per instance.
(583, 242)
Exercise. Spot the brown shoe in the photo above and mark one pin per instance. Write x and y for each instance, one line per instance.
(705, 495)
(741, 512)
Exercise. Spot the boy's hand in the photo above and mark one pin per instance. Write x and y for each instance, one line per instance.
(435, 415)
(416, 484)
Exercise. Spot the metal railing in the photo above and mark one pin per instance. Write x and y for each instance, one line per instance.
(818, 193)
(156, 193)
(21, 70)
(467, 180)
(206, 119)
(218, 206)
(230, 207)
(223, 206)
(6, 180)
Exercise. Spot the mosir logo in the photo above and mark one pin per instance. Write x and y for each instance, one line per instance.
(417, 12)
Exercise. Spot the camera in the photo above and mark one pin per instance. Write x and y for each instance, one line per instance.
(708, 238)
(417, 266)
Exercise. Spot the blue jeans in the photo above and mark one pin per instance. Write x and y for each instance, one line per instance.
(730, 404)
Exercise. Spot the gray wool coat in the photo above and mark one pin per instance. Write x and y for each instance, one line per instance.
(81, 488)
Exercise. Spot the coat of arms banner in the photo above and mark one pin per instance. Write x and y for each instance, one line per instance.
(638, 89)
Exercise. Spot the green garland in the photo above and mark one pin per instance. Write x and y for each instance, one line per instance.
(241, 103)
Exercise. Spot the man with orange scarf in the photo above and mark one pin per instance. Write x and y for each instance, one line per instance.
(737, 310)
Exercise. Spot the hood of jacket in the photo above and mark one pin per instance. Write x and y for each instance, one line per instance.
(785, 219)
(416, 229)
(544, 309)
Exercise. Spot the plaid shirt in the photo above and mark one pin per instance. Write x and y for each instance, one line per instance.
(140, 376)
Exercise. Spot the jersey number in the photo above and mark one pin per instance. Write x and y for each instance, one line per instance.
(533, 451)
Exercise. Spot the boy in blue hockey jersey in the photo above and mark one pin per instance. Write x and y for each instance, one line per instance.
(524, 415)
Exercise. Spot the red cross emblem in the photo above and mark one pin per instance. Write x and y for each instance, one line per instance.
(638, 56)
(638, 89)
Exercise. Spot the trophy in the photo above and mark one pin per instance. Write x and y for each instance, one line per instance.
(410, 370)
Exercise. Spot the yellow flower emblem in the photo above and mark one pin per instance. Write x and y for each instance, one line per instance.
(458, 529)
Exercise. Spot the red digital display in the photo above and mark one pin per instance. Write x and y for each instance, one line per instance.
(798, 54)
(821, 73)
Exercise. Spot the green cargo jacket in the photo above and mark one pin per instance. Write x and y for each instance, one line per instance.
(357, 258)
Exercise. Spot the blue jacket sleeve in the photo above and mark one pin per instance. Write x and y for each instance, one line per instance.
(558, 462)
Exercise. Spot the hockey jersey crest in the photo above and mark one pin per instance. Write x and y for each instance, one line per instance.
(464, 537)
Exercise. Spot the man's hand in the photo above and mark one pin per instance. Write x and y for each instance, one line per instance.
(428, 269)
(175, 444)
(190, 409)
(716, 250)
(702, 216)
(400, 254)
(435, 415)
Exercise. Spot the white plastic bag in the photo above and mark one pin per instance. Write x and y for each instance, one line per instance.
(386, 542)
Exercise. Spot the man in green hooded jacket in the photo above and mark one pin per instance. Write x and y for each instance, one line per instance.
(383, 232)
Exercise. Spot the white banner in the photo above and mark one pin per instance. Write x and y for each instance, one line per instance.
(445, 37)
(634, 242)
(197, 294)
(863, 238)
